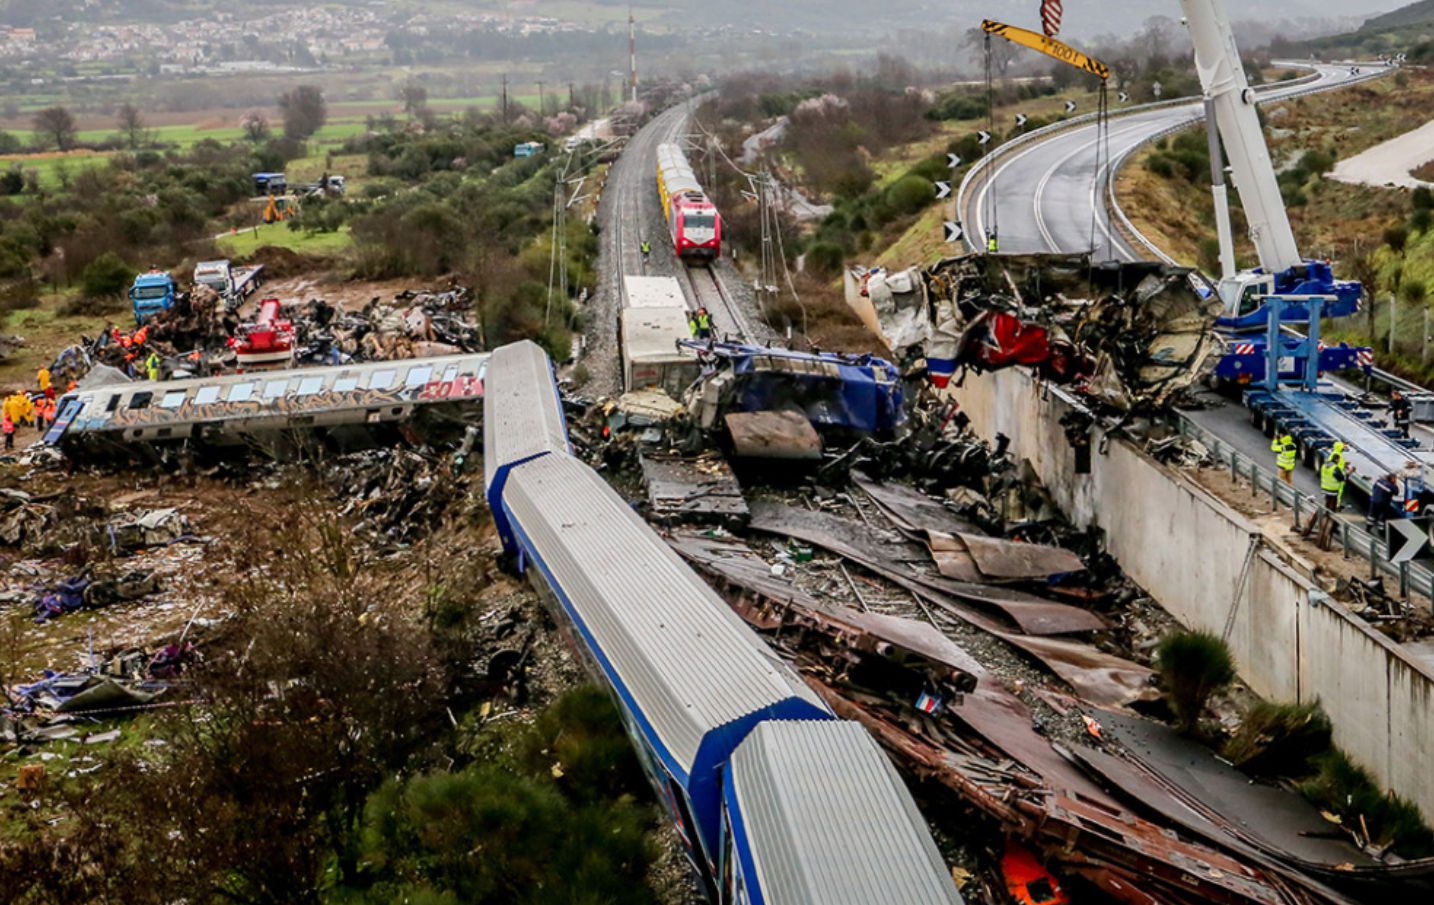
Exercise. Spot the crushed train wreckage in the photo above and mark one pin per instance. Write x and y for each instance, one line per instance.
(1127, 335)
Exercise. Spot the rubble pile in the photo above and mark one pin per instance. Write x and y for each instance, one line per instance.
(1128, 336)
(399, 495)
(197, 336)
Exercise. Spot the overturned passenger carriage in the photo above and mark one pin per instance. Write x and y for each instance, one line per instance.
(776, 801)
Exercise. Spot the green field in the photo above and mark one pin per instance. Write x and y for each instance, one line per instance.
(247, 241)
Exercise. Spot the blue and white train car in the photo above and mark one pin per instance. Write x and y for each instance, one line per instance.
(816, 815)
(696, 687)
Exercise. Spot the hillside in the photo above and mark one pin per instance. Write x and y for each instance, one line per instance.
(1413, 14)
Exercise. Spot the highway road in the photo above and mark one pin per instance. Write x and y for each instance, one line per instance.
(1048, 195)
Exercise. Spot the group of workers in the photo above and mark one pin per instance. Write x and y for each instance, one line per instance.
(1333, 474)
(1385, 495)
(700, 323)
(23, 408)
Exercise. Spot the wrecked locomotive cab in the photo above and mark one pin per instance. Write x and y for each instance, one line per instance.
(839, 396)
(1127, 334)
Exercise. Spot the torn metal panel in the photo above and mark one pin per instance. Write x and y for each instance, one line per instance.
(773, 435)
(1101, 678)
(1098, 676)
(701, 487)
(868, 648)
(998, 558)
(1132, 859)
(911, 510)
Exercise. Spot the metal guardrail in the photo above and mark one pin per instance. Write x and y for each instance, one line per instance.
(1412, 578)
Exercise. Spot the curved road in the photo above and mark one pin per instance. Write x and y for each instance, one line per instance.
(1048, 196)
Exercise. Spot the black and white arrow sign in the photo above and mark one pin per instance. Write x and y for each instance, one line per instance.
(1124, 98)
(952, 160)
(1070, 106)
(983, 137)
(1021, 120)
(953, 230)
(943, 190)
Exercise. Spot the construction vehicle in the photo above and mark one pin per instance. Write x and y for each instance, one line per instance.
(233, 284)
(153, 291)
(268, 342)
(1290, 397)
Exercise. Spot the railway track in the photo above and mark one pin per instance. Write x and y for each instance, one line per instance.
(708, 290)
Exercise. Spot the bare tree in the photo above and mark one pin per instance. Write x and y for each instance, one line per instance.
(305, 111)
(255, 124)
(414, 98)
(131, 125)
(56, 125)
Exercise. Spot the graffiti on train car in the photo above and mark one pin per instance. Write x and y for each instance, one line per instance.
(285, 406)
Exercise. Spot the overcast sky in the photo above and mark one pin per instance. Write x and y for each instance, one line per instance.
(1091, 17)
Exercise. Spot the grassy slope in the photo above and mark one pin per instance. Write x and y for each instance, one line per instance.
(245, 242)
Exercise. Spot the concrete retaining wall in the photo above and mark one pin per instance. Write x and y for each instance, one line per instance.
(1188, 549)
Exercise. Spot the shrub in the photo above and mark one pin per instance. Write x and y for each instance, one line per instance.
(1396, 237)
(910, 194)
(1280, 740)
(1421, 220)
(824, 259)
(1193, 666)
(107, 275)
(1422, 199)
(1160, 165)
(1316, 162)
(1344, 788)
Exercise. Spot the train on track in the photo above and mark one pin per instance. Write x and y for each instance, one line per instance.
(776, 800)
(692, 218)
(654, 321)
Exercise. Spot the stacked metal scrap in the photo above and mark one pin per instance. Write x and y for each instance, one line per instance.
(1128, 335)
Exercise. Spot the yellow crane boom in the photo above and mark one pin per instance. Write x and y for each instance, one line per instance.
(1048, 46)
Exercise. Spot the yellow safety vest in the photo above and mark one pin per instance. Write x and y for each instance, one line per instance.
(1329, 482)
(1287, 454)
(991, 245)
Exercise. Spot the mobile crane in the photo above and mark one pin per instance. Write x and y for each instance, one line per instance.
(1289, 396)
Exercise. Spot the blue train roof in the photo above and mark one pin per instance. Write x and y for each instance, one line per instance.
(689, 665)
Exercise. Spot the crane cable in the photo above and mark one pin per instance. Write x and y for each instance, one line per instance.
(993, 230)
(1102, 163)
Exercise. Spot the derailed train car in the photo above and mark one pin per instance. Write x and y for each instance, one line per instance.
(344, 405)
(775, 799)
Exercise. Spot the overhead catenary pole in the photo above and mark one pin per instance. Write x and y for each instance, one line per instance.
(505, 98)
(632, 54)
(542, 99)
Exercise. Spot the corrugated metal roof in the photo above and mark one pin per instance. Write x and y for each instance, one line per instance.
(677, 173)
(690, 664)
(522, 415)
(830, 822)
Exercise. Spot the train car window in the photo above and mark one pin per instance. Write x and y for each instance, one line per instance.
(206, 395)
(275, 388)
(450, 373)
(113, 403)
(418, 376)
(173, 399)
(310, 385)
(140, 400)
(345, 383)
(381, 380)
(240, 392)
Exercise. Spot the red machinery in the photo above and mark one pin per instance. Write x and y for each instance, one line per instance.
(266, 343)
